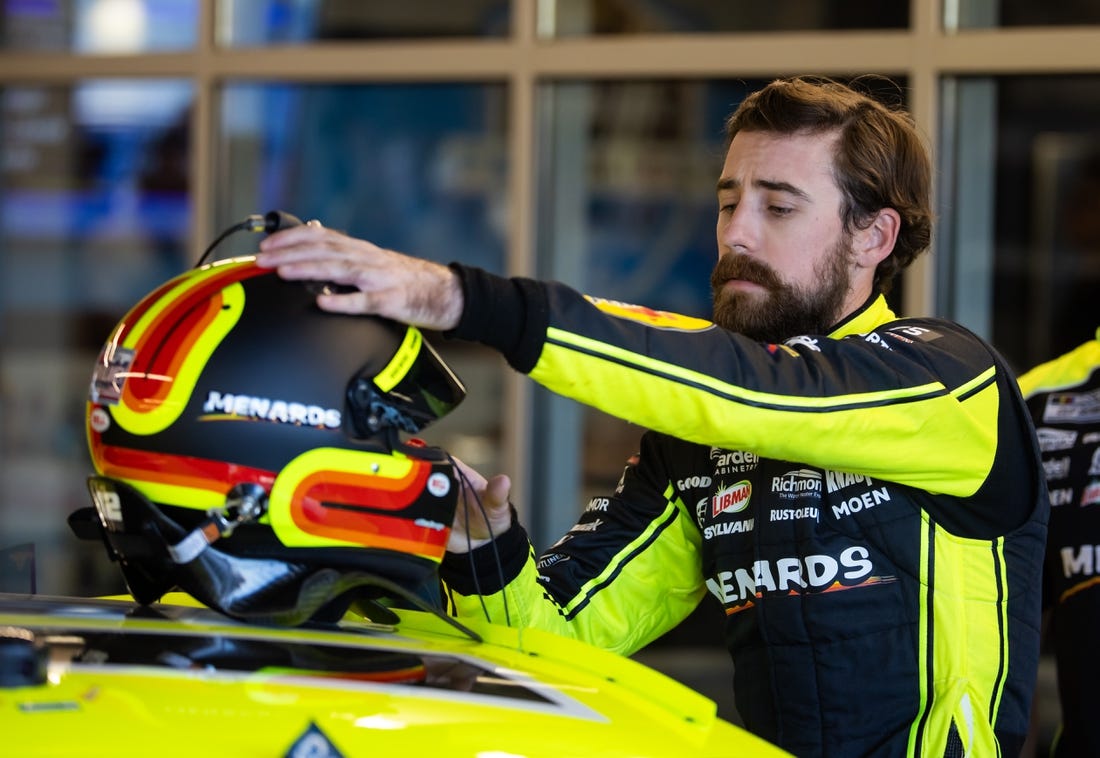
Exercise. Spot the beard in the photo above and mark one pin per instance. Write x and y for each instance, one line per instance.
(786, 310)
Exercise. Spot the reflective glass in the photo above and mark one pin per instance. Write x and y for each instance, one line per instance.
(574, 18)
(627, 171)
(94, 213)
(630, 169)
(417, 167)
(977, 14)
(244, 23)
(109, 27)
(1042, 180)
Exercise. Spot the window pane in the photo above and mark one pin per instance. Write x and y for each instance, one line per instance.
(574, 18)
(243, 23)
(1019, 219)
(1046, 215)
(94, 213)
(971, 14)
(628, 172)
(630, 169)
(419, 168)
(110, 27)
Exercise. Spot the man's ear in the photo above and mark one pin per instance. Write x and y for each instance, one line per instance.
(876, 241)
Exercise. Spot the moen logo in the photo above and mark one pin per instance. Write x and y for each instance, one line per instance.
(732, 499)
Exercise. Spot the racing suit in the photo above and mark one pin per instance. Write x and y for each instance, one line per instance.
(1064, 397)
(868, 508)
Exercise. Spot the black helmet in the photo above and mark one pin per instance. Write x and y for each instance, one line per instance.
(248, 449)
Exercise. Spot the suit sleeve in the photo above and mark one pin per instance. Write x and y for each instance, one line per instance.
(917, 402)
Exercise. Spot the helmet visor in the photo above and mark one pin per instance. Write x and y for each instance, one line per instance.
(413, 390)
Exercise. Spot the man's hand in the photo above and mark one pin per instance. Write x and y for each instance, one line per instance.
(480, 499)
(406, 289)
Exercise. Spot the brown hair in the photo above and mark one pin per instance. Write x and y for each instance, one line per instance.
(880, 160)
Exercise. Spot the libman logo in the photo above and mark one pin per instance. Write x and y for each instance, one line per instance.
(731, 499)
(659, 319)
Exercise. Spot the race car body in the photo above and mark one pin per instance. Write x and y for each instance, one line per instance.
(108, 676)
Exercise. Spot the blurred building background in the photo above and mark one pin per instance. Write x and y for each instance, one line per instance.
(572, 139)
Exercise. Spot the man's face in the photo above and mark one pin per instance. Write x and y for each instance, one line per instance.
(784, 259)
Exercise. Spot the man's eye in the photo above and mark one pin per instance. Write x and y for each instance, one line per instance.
(781, 210)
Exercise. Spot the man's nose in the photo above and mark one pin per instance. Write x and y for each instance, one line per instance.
(738, 233)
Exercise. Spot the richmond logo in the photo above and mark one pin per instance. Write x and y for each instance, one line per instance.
(732, 499)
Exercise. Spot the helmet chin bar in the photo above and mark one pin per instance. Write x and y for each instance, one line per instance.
(156, 553)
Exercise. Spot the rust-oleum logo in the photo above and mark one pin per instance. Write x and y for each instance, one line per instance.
(731, 499)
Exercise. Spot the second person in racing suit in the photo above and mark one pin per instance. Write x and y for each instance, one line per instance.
(862, 493)
(1064, 396)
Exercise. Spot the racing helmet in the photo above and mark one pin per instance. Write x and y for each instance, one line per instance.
(249, 448)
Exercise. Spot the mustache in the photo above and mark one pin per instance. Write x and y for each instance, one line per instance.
(745, 268)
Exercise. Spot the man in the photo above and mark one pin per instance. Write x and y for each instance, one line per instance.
(861, 493)
(1064, 397)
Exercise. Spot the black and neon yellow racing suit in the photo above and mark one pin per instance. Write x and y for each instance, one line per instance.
(868, 507)
(1064, 397)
